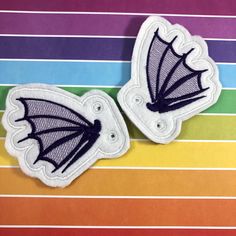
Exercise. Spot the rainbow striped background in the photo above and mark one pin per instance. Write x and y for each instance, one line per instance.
(186, 188)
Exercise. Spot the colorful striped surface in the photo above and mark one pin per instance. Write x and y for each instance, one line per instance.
(186, 188)
(146, 183)
(122, 212)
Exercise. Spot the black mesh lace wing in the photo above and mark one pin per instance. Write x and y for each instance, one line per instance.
(63, 135)
(172, 84)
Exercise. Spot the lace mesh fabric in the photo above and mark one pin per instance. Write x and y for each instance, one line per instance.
(190, 86)
(169, 61)
(169, 77)
(61, 132)
(59, 153)
(45, 123)
(39, 107)
(48, 139)
(180, 72)
(156, 51)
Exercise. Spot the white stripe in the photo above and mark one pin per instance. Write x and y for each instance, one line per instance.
(116, 197)
(98, 61)
(117, 227)
(69, 36)
(91, 86)
(6, 167)
(216, 114)
(146, 168)
(203, 141)
(74, 86)
(225, 88)
(162, 168)
(182, 140)
(69, 60)
(200, 114)
(179, 140)
(218, 39)
(91, 36)
(115, 13)
(225, 63)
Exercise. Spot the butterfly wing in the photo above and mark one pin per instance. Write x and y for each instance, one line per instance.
(63, 135)
(172, 84)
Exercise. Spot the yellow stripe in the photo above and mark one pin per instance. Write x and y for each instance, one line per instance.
(174, 155)
(5, 158)
(110, 182)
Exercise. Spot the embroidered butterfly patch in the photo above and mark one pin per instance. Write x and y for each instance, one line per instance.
(172, 79)
(56, 135)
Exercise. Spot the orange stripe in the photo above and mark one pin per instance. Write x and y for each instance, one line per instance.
(118, 212)
(128, 183)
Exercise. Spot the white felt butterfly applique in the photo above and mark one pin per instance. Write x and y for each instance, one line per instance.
(56, 135)
(172, 79)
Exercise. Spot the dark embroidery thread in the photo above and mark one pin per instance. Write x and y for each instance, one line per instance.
(172, 84)
(63, 135)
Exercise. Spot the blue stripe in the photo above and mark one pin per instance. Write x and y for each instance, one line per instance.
(227, 75)
(64, 73)
(83, 73)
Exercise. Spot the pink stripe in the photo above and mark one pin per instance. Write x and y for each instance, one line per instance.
(211, 7)
(114, 25)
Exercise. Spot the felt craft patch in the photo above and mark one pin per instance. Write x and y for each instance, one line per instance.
(172, 79)
(56, 135)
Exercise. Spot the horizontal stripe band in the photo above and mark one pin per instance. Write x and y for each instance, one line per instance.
(115, 232)
(81, 90)
(122, 212)
(212, 7)
(115, 196)
(224, 104)
(205, 127)
(83, 73)
(174, 155)
(116, 227)
(119, 25)
(202, 183)
(91, 48)
(75, 73)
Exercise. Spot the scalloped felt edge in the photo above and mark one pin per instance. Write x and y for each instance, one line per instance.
(137, 88)
(110, 117)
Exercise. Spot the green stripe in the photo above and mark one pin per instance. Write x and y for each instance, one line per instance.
(200, 127)
(225, 104)
(209, 128)
(75, 90)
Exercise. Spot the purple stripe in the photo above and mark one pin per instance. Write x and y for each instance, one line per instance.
(213, 7)
(66, 48)
(115, 25)
(91, 48)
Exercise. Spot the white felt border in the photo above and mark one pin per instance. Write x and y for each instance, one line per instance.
(198, 59)
(100, 150)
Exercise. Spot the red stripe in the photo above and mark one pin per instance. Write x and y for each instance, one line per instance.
(115, 232)
(215, 7)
